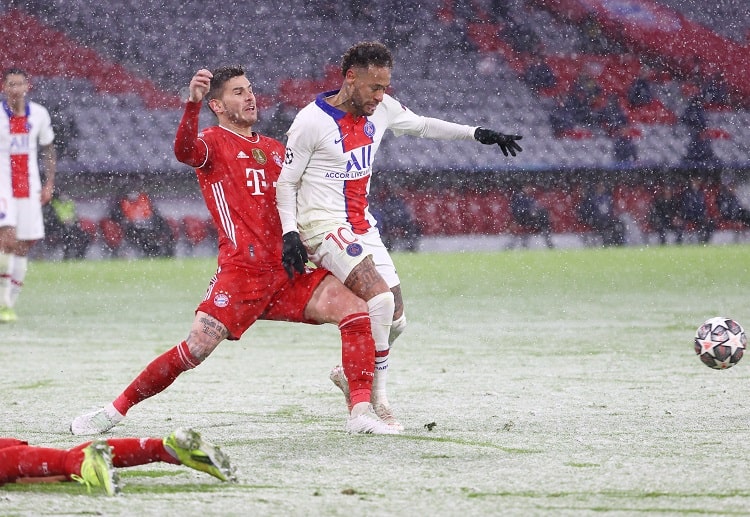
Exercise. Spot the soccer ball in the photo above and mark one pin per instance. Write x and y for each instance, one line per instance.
(720, 343)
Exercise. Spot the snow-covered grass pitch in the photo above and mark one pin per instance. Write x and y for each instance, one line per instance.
(540, 382)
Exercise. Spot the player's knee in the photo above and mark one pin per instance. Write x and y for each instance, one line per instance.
(200, 345)
(397, 328)
(199, 349)
(381, 305)
(357, 304)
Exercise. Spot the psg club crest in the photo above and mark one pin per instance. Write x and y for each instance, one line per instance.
(354, 249)
(369, 128)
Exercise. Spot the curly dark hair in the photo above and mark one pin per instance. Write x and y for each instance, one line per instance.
(366, 53)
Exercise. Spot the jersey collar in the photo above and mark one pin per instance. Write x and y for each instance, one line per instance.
(9, 111)
(334, 112)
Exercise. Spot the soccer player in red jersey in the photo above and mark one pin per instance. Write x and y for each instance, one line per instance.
(324, 184)
(95, 464)
(237, 170)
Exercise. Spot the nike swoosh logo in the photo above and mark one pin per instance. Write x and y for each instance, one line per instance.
(339, 140)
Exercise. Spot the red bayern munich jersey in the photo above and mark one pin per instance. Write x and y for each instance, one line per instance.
(237, 176)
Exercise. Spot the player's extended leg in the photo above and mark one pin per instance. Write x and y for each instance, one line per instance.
(181, 447)
(205, 335)
(331, 302)
(19, 268)
(399, 316)
(7, 236)
(89, 464)
(367, 283)
(191, 450)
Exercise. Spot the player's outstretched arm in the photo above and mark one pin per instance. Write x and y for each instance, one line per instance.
(507, 143)
(187, 148)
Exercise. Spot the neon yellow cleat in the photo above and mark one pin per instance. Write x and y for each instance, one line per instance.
(7, 315)
(187, 446)
(97, 470)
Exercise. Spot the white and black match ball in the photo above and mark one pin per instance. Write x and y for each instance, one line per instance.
(720, 343)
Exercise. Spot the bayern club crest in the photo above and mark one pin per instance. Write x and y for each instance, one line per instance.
(221, 300)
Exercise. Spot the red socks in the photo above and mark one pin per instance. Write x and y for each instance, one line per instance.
(129, 452)
(358, 355)
(156, 377)
(24, 461)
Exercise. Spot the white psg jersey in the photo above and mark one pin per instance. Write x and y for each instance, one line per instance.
(20, 138)
(326, 174)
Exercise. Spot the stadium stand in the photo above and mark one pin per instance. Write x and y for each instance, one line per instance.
(475, 59)
(114, 73)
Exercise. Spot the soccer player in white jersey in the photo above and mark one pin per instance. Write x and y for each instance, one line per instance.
(237, 170)
(25, 136)
(323, 187)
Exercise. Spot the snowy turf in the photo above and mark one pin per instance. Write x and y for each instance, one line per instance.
(530, 382)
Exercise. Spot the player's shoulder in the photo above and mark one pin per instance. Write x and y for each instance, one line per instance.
(391, 103)
(269, 142)
(310, 111)
(207, 131)
(310, 121)
(37, 109)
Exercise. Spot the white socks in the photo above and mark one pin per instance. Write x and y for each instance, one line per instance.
(381, 309)
(114, 415)
(18, 267)
(5, 259)
(397, 328)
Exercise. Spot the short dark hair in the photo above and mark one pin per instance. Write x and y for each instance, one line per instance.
(14, 71)
(366, 53)
(220, 76)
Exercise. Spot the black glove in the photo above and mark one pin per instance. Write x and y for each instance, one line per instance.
(294, 254)
(507, 143)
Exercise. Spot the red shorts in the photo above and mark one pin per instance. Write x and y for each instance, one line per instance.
(238, 297)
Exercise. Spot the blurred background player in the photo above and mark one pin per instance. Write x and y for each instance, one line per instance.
(323, 188)
(94, 464)
(529, 214)
(142, 223)
(237, 170)
(63, 227)
(28, 137)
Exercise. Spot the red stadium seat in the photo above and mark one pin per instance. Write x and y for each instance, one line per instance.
(474, 213)
(426, 211)
(652, 113)
(497, 217)
(174, 225)
(562, 205)
(195, 229)
(89, 227)
(112, 233)
(635, 201)
(450, 211)
(716, 133)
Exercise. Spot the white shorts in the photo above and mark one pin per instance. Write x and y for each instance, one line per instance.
(339, 250)
(25, 214)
